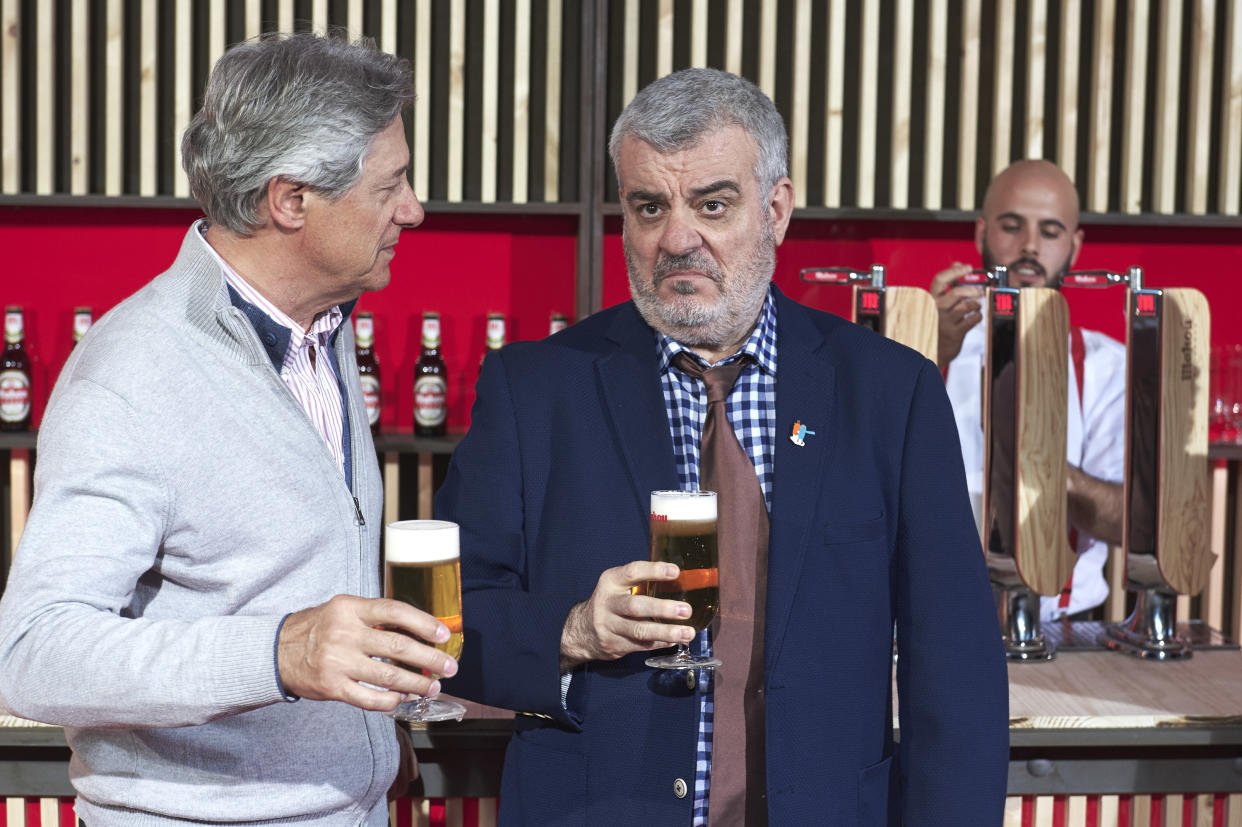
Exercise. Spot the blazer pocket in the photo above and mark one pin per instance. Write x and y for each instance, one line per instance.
(858, 531)
(873, 794)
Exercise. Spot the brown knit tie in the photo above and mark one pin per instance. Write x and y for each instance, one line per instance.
(738, 787)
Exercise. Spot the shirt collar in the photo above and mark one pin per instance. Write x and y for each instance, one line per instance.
(760, 345)
(278, 333)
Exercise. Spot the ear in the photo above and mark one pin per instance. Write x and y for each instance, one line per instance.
(981, 227)
(780, 207)
(1076, 246)
(286, 203)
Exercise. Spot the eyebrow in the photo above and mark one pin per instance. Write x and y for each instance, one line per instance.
(1042, 222)
(724, 184)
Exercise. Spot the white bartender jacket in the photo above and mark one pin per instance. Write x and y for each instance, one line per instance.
(1095, 440)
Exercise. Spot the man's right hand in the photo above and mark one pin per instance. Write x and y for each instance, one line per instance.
(325, 652)
(958, 308)
(613, 621)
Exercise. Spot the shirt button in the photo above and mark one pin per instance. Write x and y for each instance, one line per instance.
(679, 788)
(690, 679)
(270, 339)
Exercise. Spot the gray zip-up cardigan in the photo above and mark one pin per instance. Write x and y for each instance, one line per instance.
(184, 503)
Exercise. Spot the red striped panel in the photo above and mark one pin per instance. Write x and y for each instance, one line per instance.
(68, 818)
(1157, 811)
(34, 818)
(1059, 803)
(1218, 810)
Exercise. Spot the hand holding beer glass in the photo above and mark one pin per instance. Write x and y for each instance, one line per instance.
(683, 532)
(422, 567)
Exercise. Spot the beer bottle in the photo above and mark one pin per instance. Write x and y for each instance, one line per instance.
(82, 320)
(430, 382)
(368, 367)
(557, 323)
(495, 335)
(14, 374)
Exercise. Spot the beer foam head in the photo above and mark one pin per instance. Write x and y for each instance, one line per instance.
(683, 505)
(421, 541)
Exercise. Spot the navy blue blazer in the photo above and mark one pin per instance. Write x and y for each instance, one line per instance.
(870, 524)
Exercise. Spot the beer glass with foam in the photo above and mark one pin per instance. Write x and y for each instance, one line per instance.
(683, 532)
(422, 567)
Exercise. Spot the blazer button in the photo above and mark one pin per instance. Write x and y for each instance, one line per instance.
(690, 679)
(679, 788)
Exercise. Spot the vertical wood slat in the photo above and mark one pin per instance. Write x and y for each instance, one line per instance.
(1235, 807)
(45, 98)
(1037, 69)
(1115, 606)
(79, 98)
(798, 126)
(254, 18)
(1002, 89)
(392, 487)
(114, 101)
(284, 15)
(148, 96)
(217, 21)
(698, 33)
(353, 18)
(834, 108)
(19, 496)
(629, 86)
(968, 95)
(319, 16)
(938, 59)
(552, 110)
(664, 38)
(1213, 597)
(1101, 105)
(10, 90)
(1110, 806)
(1231, 108)
(733, 37)
(767, 49)
(521, 101)
(425, 487)
(456, 98)
(1135, 107)
(1200, 121)
(1164, 186)
(491, 95)
(868, 92)
(183, 94)
(388, 26)
(1067, 96)
(422, 103)
(903, 70)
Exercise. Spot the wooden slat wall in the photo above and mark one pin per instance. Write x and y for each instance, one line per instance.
(94, 94)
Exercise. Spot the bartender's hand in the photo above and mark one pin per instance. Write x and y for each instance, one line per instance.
(958, 308)
(613, 622)
(325, 652)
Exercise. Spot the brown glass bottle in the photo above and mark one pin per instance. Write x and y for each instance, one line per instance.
(82, 321)
(495, 335)
(14, 374)
(368, 368)
(430, 382)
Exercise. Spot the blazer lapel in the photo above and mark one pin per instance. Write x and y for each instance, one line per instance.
(633, 402)
(805, 393)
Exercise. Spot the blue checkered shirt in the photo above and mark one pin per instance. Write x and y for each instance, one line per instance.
(751, 407)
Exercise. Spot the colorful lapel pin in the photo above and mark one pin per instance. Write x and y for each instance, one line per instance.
(800, 433)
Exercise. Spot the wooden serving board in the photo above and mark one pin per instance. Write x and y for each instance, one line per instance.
(1042, 551)
(1183, 523)
(910, 318)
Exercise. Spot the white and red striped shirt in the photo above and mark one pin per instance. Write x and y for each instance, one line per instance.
(306, 370)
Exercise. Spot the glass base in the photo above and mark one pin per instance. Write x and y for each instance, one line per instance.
(424, 710)
(682, 660)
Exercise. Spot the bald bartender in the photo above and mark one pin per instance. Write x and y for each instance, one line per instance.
(1029, 223)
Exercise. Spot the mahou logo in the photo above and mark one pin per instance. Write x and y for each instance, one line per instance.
(371, 395)
(14, 396)
(430, 406)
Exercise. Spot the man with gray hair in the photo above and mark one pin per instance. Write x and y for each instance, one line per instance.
(843, 513)
(196, 594)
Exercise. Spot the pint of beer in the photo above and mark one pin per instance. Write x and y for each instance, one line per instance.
(422, 567)
(683, 532)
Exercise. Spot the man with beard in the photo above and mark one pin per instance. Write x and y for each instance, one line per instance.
(862, 524)
(1030, 224)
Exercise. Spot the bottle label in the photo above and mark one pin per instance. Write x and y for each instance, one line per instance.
(430, 401)
(81, 324)
(495, 334)
(14, 395)
(364, 332)
(12, 327)
(371, 395)
(431, 332)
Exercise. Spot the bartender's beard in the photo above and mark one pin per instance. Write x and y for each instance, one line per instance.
(690, 318)
(1047, 280)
